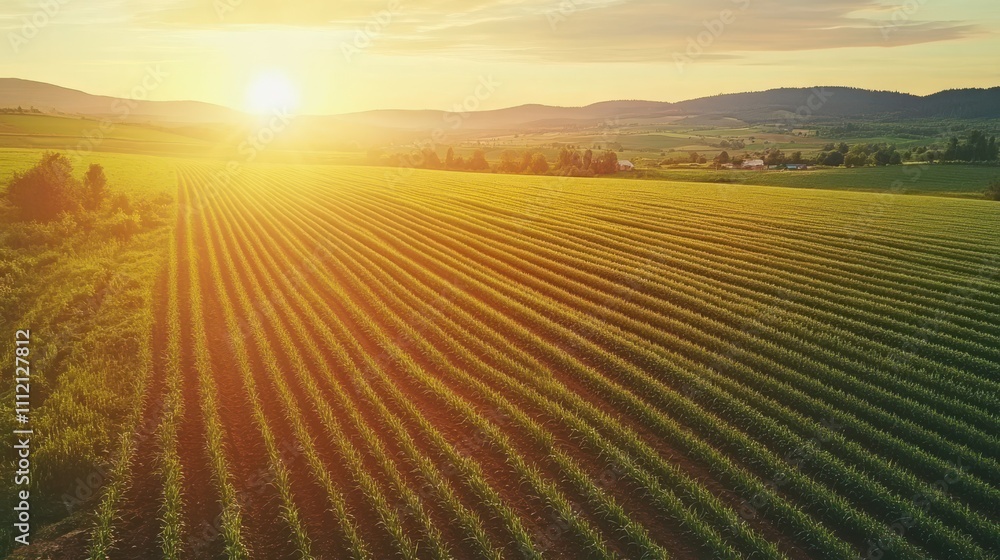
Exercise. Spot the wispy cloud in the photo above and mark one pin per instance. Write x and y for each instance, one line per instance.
(590, 31)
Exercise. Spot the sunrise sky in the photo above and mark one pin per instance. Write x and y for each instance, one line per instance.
(351, 55)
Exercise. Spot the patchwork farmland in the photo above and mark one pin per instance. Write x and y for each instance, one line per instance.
(355, 364)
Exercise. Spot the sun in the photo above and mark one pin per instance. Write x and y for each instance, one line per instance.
(271, 92)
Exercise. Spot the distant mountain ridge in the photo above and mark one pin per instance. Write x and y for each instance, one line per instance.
(827, 102)
(846, 102)
(776, 104)
(50, 98)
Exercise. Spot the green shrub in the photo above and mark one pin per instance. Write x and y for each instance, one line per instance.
(45, 191)
(48, 190)
(122, 225)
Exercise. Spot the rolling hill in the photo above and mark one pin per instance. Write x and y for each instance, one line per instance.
(50, 98)
(825, 101)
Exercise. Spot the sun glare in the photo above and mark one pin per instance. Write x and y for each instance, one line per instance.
(271, 92)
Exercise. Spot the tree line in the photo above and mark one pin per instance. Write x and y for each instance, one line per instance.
(19, 111)
(570, 161)
(428, 158)
(573, 163)
(977, 147)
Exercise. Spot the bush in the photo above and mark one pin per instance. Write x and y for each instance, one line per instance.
(45, 191)
(121, 202)
(124, 226)
(95, 187)
(48, 190)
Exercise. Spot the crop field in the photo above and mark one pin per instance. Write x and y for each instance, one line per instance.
(952, 180)
(377, 363)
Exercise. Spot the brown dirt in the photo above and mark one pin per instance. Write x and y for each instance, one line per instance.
(263, 531)
(137, 532)
(202, 509)
(699, 472)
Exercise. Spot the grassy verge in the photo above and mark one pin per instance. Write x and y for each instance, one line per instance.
(87, 299)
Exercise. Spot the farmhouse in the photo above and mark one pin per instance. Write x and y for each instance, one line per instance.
(625, 165)
(796, 166)
(753, 164)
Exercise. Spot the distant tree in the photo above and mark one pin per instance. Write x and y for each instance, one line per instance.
(951, 150)
(796, 157)
(588, 159)
(430, 159)
(993, 190)
(774, 157)
(565, 158)
(95, 187)
(694, 156)
(702, 159)
(478, 161)
(607, 163)
(722, 157)
(459, 163)
(843, 148)
(449, 158)
(509, 162)
(834, 159)
(539, 165)
(45, 191)
(526, 160)
(856, 159)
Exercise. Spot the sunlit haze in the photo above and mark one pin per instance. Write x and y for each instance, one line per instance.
(334, 57)
(270, 92)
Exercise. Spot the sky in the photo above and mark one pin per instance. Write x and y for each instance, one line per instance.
(337, 56)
